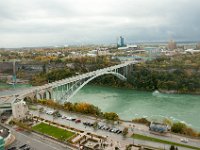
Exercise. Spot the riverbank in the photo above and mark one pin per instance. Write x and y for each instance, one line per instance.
(179, 92)
(142, 90)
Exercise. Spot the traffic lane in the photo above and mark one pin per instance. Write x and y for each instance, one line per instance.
(35, 142)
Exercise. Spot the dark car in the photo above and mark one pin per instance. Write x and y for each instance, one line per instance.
(107, 128)
(27, 148)
(90, 124)
(119, 132)
(73, 119)
(58, 115)
(12, 148)
(101, 126)
(23, 146)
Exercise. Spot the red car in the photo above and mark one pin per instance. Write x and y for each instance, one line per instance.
(19, 129)
(78, 121)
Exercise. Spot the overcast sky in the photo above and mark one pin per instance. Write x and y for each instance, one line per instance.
(62, 22)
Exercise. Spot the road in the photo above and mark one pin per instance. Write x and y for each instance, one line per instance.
(36, 142)
(139, 129)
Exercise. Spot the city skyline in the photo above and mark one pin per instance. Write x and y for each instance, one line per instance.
(48, 23)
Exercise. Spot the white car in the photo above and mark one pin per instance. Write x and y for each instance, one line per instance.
(69, 118)
(184, 140)
(63, 117)
(50, 112)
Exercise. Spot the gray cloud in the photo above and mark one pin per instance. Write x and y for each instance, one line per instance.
(53, 22)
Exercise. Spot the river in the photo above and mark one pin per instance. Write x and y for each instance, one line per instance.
(129, 104)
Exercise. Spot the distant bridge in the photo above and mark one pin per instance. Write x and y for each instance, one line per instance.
(68, 87)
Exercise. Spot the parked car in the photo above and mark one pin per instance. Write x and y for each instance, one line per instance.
(88, 124)
(50, 112)
(12, 148)
(63, 117)
(27, 148)
(78, 121)
(19, 129)
(58, 115)
(184, 140)
(68, 118)
(23, 146)
(73, 119)
(118, 132)
(101, 126)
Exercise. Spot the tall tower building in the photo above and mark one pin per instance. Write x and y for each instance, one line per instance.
(121, 42)
(172, 45)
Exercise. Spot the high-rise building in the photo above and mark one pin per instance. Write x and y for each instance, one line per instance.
(121, 42)
(172, 45)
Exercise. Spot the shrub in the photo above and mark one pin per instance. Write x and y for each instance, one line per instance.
(125, 131)
(182, 128)
(111, 116)
(178, 127)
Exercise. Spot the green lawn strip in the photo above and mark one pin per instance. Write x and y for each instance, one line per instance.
(147, 138)
(31, 107)
(53, 131)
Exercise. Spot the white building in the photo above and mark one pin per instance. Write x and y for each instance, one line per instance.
(19, 109)
(192, 51)
(129, 47)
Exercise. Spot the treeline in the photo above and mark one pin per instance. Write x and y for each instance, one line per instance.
(54, 75)
(83, 108)
(179, 80)
(76, 66)
(110, 80)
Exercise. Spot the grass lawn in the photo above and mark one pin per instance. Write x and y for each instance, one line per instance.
(32, 107)
(53, 131)
(147, 138)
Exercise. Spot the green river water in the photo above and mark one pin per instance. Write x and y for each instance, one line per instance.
(129, 104)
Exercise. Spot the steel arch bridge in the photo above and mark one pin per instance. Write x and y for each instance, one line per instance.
(64, 90)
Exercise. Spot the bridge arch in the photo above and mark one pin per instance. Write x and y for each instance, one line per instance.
(38, 96)
(28, 99)
(118, 75)
(47, 95)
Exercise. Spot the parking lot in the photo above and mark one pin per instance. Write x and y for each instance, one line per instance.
(82, 123)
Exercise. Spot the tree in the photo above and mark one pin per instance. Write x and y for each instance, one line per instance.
(95, 125)
(111, 116)
(40, 110)
(125, 131)
(178, 127)
(167, 122)
(172, 147)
